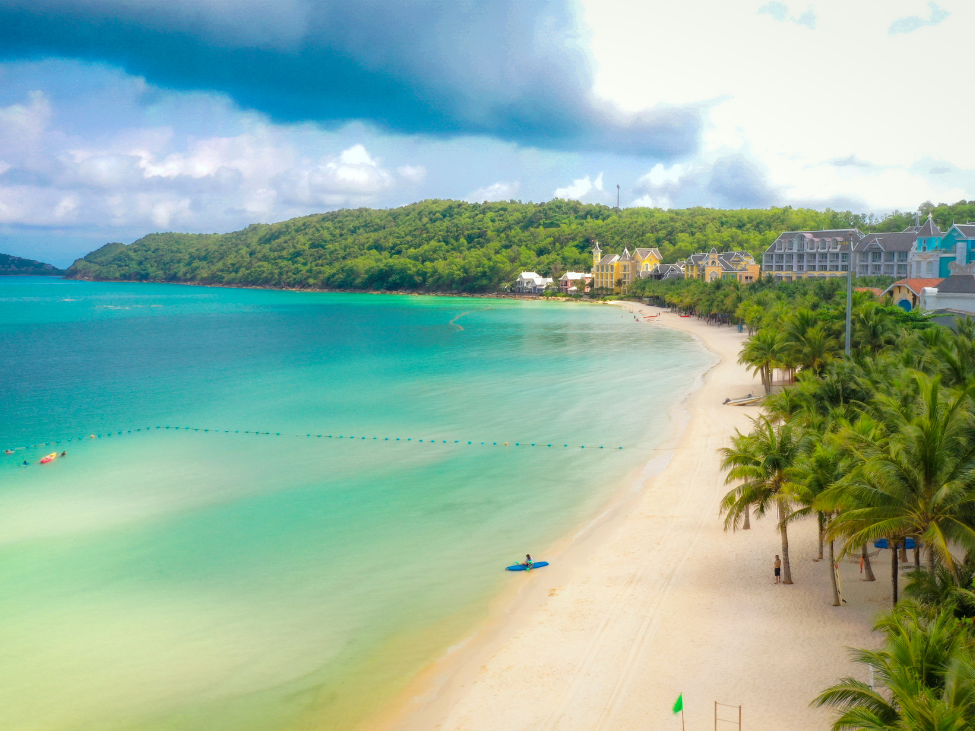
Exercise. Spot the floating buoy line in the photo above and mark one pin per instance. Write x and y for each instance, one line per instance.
(359, 438)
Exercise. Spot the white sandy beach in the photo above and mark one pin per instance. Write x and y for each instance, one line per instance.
(655, 599)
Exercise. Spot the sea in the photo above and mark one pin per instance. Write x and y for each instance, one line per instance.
(276, 508)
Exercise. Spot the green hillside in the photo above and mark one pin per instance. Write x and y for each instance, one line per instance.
(442, 245)
(14, 265)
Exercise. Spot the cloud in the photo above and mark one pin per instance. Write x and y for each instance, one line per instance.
(507, 69)
(850, 161)
(580, 188)
(412, 173)
(740, 183)
(153, 178)
(500, 191)
(914, 22)
(780, 12)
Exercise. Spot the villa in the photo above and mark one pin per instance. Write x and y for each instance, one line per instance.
(531, 283)
(738, 265)
(570, 282)
(936, 251)
(906, 293)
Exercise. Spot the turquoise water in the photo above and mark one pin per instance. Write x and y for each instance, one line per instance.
(164, 578)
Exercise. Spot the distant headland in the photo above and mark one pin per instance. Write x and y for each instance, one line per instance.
(15, 265)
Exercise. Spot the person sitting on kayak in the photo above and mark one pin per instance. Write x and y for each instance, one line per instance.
(529, 561)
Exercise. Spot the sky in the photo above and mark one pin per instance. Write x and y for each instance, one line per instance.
(119, 118)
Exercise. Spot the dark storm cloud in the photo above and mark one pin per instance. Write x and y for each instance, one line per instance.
(509, 69)
(740, 183)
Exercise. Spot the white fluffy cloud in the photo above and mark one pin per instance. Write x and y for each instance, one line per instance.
(151, 178)
(793, 93)
(500, 191)
(580, 188)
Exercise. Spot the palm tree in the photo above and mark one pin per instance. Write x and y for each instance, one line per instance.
(762, 354)
(927, 667)
(814, 348)
(813, 474)
(873, 328)
(760, 460)
(942, 589)
(916, 475)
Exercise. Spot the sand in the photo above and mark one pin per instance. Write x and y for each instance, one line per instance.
(654, 599)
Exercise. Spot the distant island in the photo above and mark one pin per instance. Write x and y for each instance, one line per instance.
(449, 246)
(14, 265)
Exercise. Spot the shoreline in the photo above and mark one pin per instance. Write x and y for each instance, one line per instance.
(435, 686)
(415, 293)
(645, 578)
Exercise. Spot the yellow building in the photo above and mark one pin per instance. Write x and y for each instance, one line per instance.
(615, 272)
(710, 267)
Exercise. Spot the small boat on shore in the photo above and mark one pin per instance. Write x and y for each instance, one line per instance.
(49, 458)
(746, 401)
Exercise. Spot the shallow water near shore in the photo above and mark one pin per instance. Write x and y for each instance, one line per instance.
(211, 577)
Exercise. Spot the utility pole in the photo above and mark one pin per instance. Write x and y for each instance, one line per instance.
(849, 295)
(617, 196)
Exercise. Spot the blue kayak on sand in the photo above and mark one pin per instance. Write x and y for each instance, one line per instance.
(536, 565)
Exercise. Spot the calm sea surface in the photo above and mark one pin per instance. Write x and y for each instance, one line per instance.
(213, 579)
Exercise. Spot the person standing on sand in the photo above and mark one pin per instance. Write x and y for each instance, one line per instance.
(778, 569)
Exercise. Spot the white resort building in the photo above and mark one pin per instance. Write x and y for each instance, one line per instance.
(531, 283)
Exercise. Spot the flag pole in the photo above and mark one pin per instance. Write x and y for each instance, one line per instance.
(682, 717)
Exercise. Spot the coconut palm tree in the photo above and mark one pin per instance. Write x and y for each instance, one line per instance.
(873, 328)
(927, 670)
(759, 461)
(814, 349)
(916, 475)
(762, 354)
(943, 589)
(812, 474)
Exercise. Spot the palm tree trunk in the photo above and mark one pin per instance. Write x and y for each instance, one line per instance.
(832, 575)
(748, 524)
(867, 568)
(786, 567)
(893, 570)
(903, 545)
(821, 518)
(931, 562)
(917, 552)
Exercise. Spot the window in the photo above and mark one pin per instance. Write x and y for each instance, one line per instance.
(888, 256)
(844, 267)
(901, 256)
(874, 256)
(844, 257)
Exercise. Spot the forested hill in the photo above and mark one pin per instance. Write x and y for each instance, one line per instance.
(15, 265)
(441, 245)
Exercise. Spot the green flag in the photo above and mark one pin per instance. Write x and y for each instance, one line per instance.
(679, 704)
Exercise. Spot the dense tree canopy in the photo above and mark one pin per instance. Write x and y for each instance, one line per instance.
(16, 265)
(442, 245)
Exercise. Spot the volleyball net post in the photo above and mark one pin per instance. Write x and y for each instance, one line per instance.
(726, 721)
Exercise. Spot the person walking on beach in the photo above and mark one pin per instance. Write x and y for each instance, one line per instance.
(778, 569)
